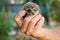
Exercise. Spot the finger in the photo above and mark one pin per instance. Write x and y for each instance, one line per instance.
(32, 24)
(40, 23)
(19, 17)
(26, 22)
(37, 30)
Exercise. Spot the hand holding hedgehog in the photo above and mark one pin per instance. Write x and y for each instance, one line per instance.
(32, 23)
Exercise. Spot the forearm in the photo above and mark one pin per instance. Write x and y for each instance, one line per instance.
(51, 35)
(47, 35)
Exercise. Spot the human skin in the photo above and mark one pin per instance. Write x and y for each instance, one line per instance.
(32, 26)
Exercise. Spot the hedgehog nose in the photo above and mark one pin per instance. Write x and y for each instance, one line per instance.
(31, 11)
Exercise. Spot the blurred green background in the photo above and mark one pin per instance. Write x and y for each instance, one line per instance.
(50, 9)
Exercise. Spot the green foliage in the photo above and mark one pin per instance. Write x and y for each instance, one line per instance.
(56, 16)
(56, 5)
(3, 3)
(6, 23)
(56, 10)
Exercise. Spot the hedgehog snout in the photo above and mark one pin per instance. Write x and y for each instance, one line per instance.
(30, 11)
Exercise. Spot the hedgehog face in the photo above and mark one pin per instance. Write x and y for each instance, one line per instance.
(31, 8)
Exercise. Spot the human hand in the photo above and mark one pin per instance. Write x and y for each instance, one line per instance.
(31, 25)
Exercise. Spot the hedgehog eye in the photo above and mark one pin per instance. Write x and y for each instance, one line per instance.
(29, 10)
(34, 9)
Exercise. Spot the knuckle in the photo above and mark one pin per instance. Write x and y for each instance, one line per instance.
(39, 16)
(28, 33)
(16, 17)
(32, 21)
(21, 30)
(43, 18)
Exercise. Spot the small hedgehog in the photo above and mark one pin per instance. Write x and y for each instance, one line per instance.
(31, 8)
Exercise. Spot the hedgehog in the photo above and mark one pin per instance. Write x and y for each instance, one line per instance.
(31, 8)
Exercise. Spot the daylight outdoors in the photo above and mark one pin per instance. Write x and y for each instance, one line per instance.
(50, 9)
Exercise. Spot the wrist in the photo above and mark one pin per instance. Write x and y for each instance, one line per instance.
(46, 35)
